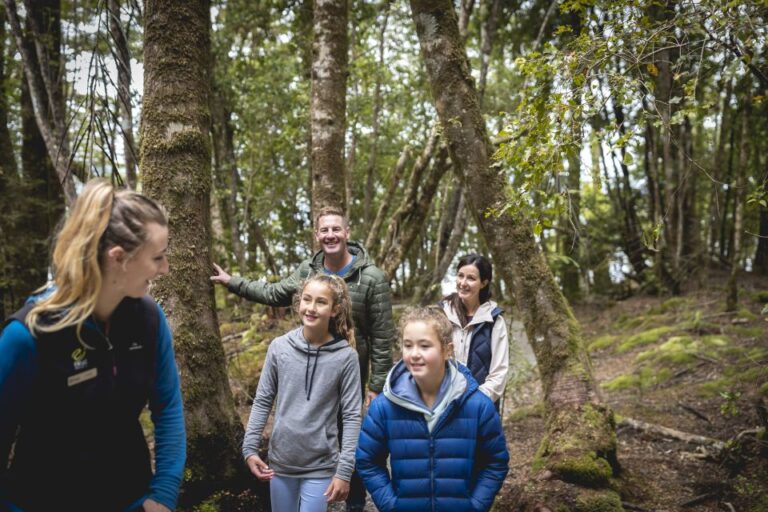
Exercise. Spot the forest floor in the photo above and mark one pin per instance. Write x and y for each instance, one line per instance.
(682, 363)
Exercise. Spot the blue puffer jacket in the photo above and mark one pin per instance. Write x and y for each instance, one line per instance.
(450, 458)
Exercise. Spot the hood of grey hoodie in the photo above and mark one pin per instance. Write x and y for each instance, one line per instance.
(400, 388)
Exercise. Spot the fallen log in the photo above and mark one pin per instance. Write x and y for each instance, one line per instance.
(671, 433)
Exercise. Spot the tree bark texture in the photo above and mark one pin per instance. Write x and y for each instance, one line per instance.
(176, 169)
(328, 103)
(580, 445)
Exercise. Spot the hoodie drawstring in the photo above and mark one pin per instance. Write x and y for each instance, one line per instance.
(308, 380)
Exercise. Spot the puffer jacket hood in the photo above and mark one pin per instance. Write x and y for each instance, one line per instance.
(401, 389)
(297, 340)
(356, 250)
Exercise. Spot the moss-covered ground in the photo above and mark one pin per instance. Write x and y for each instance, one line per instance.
(678, 362)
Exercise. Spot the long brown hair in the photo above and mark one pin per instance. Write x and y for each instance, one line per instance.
(100, 219)
(485, 270)
(341, 323)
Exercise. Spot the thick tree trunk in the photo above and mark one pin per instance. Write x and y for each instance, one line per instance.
(329, 103)
(176, 170)
(123, 62)
(580, 444)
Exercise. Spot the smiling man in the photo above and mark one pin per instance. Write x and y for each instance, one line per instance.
(368, 288)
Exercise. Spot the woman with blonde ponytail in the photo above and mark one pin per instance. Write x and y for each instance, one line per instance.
(81, 360)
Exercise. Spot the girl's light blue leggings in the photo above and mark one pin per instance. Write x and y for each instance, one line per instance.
(298, 494)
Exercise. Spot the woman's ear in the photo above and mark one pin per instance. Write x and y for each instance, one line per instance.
(485, 283)
(117, 254)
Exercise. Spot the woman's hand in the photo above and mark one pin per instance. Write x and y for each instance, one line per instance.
(337, 491)
(150, 505)
(259, 468)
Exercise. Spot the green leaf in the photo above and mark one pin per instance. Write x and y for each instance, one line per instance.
(628, 158)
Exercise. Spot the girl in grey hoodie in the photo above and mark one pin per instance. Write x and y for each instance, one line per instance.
(319, 379)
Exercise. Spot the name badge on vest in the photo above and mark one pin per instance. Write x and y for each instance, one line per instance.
(78, 378)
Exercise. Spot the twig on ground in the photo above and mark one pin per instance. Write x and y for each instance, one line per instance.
(633, 507)
(693, 411)
(706, 358)
(699, 499)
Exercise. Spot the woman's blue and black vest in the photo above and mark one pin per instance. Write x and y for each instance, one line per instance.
(79, 439)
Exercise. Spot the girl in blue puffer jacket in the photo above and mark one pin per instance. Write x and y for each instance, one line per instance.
(443, 437)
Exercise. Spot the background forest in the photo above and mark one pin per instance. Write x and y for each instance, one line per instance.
(598, 151)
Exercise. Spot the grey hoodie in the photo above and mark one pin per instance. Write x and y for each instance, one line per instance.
(314, 385)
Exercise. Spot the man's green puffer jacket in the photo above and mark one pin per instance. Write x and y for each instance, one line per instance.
(371, 307)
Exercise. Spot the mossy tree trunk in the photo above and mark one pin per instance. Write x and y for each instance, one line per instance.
(329, 103)
(176, 170)
(577, 457)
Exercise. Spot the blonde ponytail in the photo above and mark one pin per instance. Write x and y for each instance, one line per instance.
(100, 219)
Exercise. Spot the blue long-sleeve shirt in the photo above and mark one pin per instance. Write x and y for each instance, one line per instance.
(19, 369)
